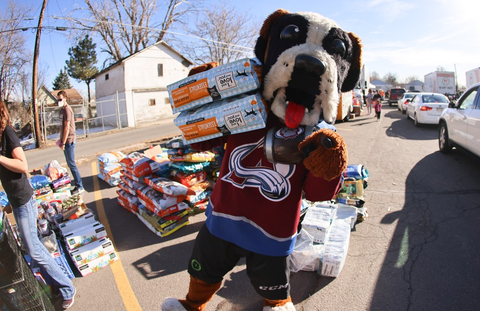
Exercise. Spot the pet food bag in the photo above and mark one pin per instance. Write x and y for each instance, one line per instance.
(240, 114)
(221, 82)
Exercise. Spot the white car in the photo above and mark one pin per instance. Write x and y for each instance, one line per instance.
(426, 108)
(460, 123)
(402, 102)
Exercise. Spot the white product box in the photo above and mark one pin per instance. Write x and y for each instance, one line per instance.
(84, 235)
(91, 251)
(74, 224)
(98, 263)
(318, 220)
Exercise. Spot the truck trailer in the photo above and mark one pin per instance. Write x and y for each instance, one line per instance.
(442, 82)
(473, 76)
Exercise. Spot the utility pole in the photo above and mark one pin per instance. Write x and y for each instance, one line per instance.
(38, 140)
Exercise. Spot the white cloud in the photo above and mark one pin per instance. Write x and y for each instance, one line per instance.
(390, 8)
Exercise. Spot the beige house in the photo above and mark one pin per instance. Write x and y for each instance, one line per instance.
(50, 98)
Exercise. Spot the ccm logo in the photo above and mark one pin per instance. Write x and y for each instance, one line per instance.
(274, 287)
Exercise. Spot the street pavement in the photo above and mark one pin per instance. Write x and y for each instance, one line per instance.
(417, 249)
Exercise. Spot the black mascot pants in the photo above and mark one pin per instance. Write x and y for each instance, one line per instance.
(212, 258)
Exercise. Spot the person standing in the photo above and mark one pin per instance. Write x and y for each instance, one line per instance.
(369, 101)
(377, 100)
(68, 139)
(13, 175)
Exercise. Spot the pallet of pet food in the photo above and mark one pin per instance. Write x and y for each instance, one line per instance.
(109, 167)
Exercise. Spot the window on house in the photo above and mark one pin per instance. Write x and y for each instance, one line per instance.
(106, 76)
(152, 102)
(160, 70)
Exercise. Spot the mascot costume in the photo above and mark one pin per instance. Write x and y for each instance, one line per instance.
(254, 209)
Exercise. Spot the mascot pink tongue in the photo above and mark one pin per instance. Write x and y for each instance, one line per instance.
(294, 115)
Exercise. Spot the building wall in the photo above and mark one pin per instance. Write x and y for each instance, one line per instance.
(145, 92)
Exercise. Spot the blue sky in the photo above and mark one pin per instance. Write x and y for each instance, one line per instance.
(406, 38)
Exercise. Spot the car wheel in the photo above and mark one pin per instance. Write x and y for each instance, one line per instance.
(443, 141)
(404, 111)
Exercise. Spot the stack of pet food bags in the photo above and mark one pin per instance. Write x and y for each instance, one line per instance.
(353, 189)
(135, 166)
(195, 170)
(109, 167)
(324, 237)
(87, 243)
(60, 181)
(220, 101)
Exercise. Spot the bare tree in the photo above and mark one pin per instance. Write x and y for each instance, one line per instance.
(374, 76)
(410, 79)
(223, 34)
(391, 78)
(13, 55)
(127, 26)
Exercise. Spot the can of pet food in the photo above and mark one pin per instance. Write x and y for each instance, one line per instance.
(50, 214)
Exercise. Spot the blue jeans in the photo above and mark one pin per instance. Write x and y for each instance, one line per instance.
(26, 218)
(70, 157)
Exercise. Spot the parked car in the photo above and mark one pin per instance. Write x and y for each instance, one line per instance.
(426, 108)
(459, 125)
(395, 95)
(403, 102)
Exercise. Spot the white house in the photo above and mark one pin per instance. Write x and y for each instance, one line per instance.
(134, 89)
(379, 84)
(415, 85)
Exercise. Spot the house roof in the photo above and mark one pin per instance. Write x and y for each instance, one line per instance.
(186, 60)
(72, 94)
(379, 82)
(415, 82)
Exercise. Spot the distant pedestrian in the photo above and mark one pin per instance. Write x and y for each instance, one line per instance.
(68, 139)
(369, 101)
(377, 102)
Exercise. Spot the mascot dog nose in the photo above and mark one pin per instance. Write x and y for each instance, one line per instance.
(310, 64)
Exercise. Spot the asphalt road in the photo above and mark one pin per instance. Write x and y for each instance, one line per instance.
(417, 250)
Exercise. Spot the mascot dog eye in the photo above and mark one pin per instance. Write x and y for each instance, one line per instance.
(307, 61)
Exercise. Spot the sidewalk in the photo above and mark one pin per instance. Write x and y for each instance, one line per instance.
(88, 149)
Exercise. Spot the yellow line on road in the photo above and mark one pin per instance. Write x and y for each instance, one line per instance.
(129, 299)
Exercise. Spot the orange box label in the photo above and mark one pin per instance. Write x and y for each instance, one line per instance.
(190, 92)
(199, 129)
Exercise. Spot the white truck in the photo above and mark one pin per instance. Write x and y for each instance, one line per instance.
(473, 76)
(345, 106)
(442, 82)
(362, 87)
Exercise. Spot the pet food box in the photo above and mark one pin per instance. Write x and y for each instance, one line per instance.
(91, 251)
(84, 235)
(243, 113)
(97, 264)
(318, 220)
(218, 83)
(74, 224)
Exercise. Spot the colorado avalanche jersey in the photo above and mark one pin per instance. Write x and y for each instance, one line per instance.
(256, 204)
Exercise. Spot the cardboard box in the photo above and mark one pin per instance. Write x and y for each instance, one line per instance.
(317, 222)
(91, 251)
(221, 82)
(240, 114)
(75, 224)
(98, 264)
(84, 235)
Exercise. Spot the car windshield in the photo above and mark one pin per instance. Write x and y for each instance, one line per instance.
(434, 99)
(409, 95)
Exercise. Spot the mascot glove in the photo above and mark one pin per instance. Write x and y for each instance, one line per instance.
(327, 154)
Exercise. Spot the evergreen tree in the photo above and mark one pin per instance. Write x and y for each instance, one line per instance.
(81, 65)
(62, 81)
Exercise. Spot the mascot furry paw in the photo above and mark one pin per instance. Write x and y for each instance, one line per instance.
(254, 208)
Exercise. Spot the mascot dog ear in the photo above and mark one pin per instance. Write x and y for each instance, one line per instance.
(261, 47)
(354, 72)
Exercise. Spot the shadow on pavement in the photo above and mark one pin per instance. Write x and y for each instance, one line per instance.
(433, 258)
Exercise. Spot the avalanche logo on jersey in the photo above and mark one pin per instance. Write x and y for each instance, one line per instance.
(246, 170)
